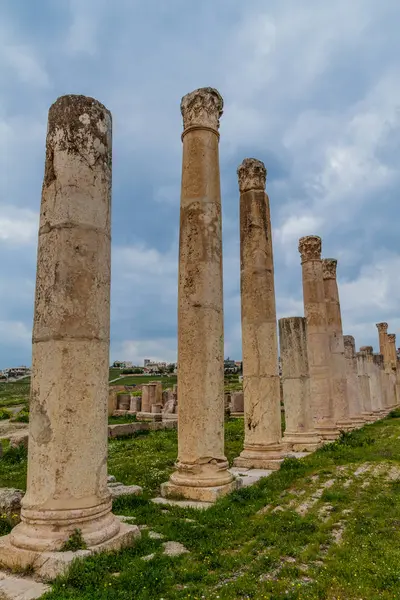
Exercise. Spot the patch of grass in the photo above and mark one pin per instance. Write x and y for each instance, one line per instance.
(122, 419)
(22, 416)
(238, 551)
(75, 542)
(5, 414)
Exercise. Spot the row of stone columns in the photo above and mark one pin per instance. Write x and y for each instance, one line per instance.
(326, 387)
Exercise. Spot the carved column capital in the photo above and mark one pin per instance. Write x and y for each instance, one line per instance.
(252, 175)
(391, 338)
(382, 327)
(310, 247)
(202, 108)
(367, 349)
(329, 268)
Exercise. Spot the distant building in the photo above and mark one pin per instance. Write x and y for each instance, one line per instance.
(122, 364)
(14, 372)
(230, 366)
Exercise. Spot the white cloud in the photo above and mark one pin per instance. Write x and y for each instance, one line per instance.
(18, 227)
(20, 61)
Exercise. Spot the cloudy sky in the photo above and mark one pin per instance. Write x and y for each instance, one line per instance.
(311, 88)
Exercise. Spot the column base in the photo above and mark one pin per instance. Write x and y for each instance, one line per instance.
(345, 425)
(357, 422)
(48, 565)
(302, 442)
(258, 456)
(368, 417)
(328, 433)
(197, 493)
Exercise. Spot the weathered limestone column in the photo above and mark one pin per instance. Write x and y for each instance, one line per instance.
(364, 383)
(300, 434)
(262, 414)
(317, 337)
(340, 405)
(202, 468)
(353, 387)
(382, 331)
(379, 372)
(374, 381)
(392, 367)
(67, 456)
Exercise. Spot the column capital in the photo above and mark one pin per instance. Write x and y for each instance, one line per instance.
(252, 175)
(202, 109)
(382, 326)
(310, 247)
(329, 268)
(391, 338)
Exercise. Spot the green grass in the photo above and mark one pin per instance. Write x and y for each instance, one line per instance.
(140, 379)
(14, 393)
(121, 419)
(242, 547)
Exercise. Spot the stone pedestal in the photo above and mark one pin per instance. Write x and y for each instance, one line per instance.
(67, 454)
(364, 384)
(353, 384)
(340, 405)
(262, 415)
(237, 404)
(318, 348)
(202, 468)
(300, 434)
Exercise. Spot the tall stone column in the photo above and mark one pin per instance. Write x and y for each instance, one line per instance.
(300, 434)
(379, 372)
(353, 387)
(202, 468)
(317, 337)
(364, 383)
(392, 367)
(382, 332)
(340, 405)
(374, 381)
(67, 454)
(262, 415)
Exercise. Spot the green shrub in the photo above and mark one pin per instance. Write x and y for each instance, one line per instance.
(22, 416)
(4, 414)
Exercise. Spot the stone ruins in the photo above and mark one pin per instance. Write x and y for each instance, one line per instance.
(326, 385)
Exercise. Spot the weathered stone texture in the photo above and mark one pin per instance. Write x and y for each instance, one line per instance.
(202, 466)
(262, 441)
(300, 434)
(318, 347)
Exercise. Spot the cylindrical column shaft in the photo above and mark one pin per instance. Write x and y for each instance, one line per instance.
(340, 405)
(382, 332)
(67, 456)
(364, 383)
(392, 367)
(374, 380)
(353, 384)
(262, 414)
(202, 468)
(300, 434)
(379, 370)
(317, 337)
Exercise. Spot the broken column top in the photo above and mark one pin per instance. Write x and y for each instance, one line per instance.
(382, 326)
(80, 126)
(202, 108)
(252, 175)
(349, 346)
(329, 268)
(310, 247)
(367, 349)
